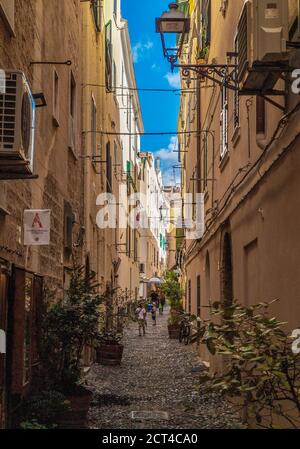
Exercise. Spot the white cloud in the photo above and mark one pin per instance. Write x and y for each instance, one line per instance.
(148, 45)
(139, 50)
(173, 79)
(168, 154)
(169, 158)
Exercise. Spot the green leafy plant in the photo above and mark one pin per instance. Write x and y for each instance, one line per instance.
(70, 325)
(172, 289)
(34, 425)
(115, 318)
(41, 410)
(174, 320)
(203, 53)
(261, 372)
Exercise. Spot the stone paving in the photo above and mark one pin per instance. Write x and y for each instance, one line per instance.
(156, 387)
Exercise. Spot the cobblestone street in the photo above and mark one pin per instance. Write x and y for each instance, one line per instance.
(158, 380)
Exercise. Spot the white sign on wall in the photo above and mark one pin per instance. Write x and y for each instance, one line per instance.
(37, 227)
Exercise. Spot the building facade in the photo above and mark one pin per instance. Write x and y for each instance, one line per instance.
(154, 217)
(131, 127)
(70, 125)
(245, 160)
(27, 52)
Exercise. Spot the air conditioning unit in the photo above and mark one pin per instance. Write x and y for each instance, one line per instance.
(17, 125)
(261, 39)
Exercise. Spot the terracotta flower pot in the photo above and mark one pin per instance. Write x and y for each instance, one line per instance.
(109, 354)
(174, 330)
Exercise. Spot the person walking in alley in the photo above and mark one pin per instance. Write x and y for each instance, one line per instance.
(153, 312)
(141, 315)
(154, 297)
(162, 301)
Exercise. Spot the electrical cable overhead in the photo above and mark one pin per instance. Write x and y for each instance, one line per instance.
(149, 89)
(169, 133)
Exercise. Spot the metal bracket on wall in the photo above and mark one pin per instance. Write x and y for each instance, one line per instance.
(222, 74)
(226, 75)
(68, 62)
(42, 100)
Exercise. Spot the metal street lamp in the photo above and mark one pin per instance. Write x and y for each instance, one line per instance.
(173, 22)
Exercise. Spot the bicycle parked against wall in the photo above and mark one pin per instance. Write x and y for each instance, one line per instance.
(185, 330)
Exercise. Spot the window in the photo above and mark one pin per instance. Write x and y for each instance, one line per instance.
(108, 169)
(96, 8)
(27, 291)
(260, 115)
(72, 95)
(94, 128)
(55, 98)
(72, 112)
(115, 158)
(224, 122)
(7, 11)
(68, 228)
(108, 56)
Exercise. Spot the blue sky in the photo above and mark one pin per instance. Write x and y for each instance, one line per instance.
(160, 110)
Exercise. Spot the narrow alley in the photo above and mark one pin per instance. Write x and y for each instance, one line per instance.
(149, 159)
(155, 387)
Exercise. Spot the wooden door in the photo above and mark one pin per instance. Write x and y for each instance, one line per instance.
(3, 329)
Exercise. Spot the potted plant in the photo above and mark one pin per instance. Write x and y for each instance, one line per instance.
(42, 410)
(109, 350)
(261, 369)
(174, 326)
(69, 326)
(108, 346)
(173, 291)
(203, 55)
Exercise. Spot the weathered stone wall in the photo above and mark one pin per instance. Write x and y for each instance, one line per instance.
(45, 31)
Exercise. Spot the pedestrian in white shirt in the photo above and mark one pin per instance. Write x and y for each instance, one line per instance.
(141, 314)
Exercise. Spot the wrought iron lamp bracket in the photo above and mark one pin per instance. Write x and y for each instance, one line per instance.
(222, 74)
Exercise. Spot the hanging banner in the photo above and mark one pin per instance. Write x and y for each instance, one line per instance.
(37, 227)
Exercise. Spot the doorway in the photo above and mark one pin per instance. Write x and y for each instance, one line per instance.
(3, 331)
(227, 274)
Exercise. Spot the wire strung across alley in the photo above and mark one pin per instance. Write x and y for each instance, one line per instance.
(168, 133)
(149, 89)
